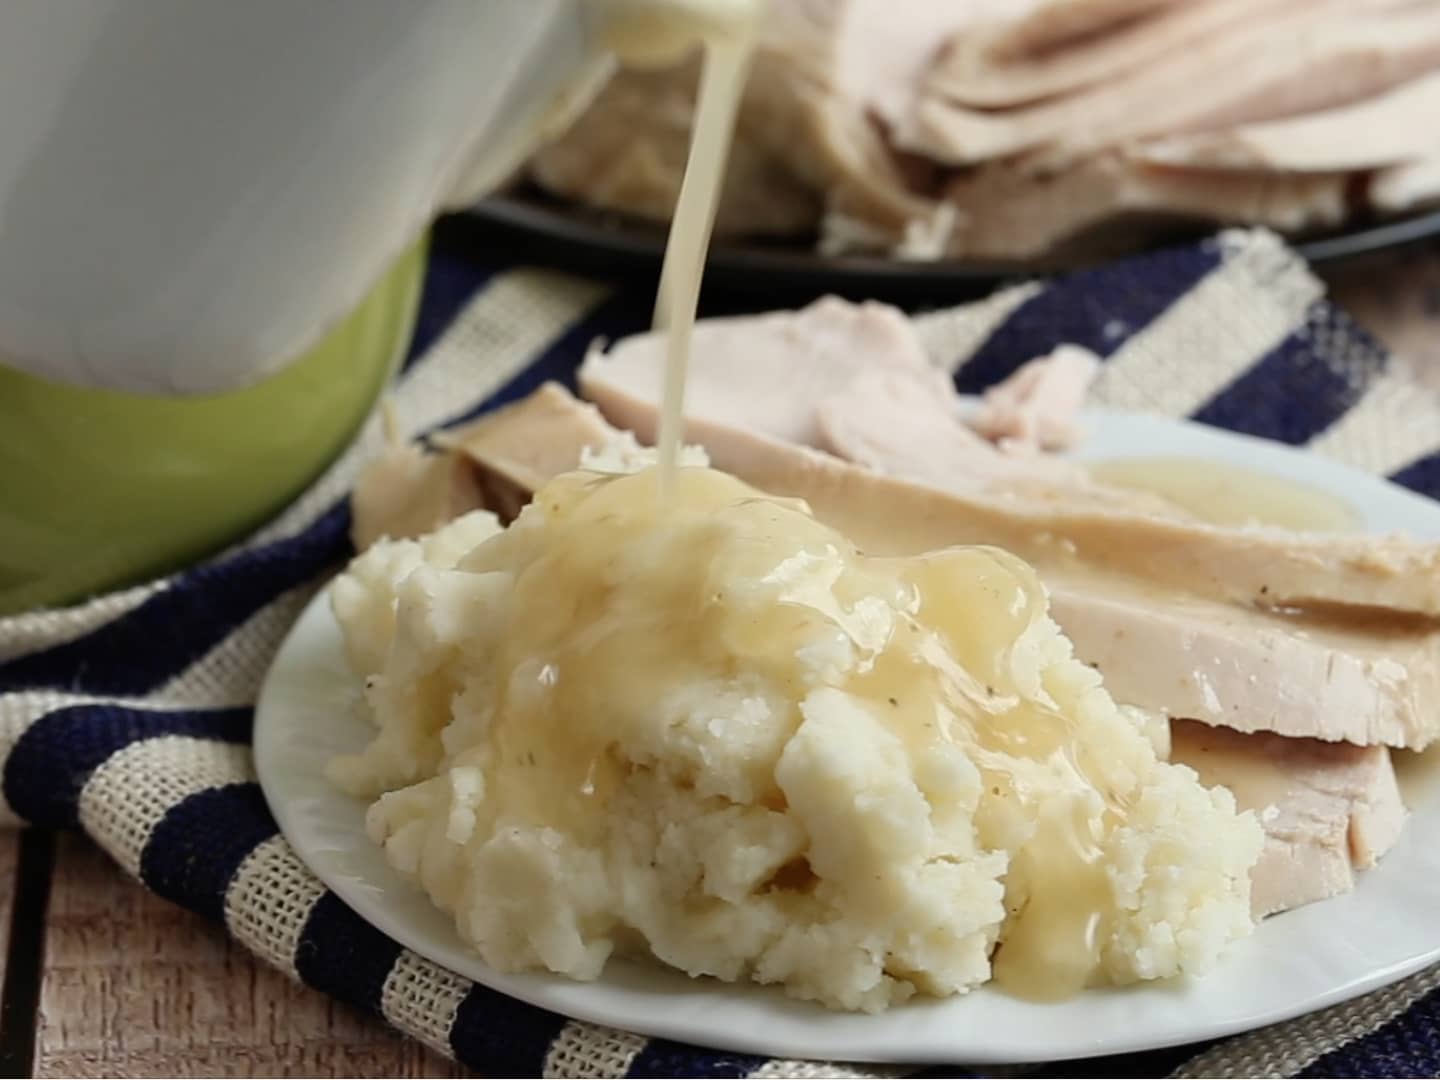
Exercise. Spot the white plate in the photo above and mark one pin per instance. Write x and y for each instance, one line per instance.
(1296, 962)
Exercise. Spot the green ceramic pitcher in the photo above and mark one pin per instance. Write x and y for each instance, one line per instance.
(99, 488)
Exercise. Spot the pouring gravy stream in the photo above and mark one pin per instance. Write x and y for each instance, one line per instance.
(726, 29)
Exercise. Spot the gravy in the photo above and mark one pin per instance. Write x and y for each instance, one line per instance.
(635, 600)
(1230, 494)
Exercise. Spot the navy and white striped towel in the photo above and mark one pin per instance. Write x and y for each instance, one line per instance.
(129, 716)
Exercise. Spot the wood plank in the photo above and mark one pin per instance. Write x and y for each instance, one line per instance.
(26, 860)
(135, 986)
(9, 855)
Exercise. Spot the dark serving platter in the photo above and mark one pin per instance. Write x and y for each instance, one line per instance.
(556, 233)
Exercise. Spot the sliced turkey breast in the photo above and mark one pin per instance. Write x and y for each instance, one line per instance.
(975, 69)
(1408, 186)
(628, 152)
(768, 371)
(754, 379)
(1037, 408)
(806, 139)
(1362, 681)
(825, 71)
(1298, 61)
(494, 463)
(1376, 132)
(940, 449)
(1327, 809)
(1051, 24)
(406, 492)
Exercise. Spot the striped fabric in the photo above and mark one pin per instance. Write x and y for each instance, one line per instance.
(129, 717)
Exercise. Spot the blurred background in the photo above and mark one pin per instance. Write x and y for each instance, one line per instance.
(919, 148)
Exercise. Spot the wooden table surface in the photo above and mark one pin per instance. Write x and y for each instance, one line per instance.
(101, 978)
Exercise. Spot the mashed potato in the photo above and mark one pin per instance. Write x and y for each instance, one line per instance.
(719, 735)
